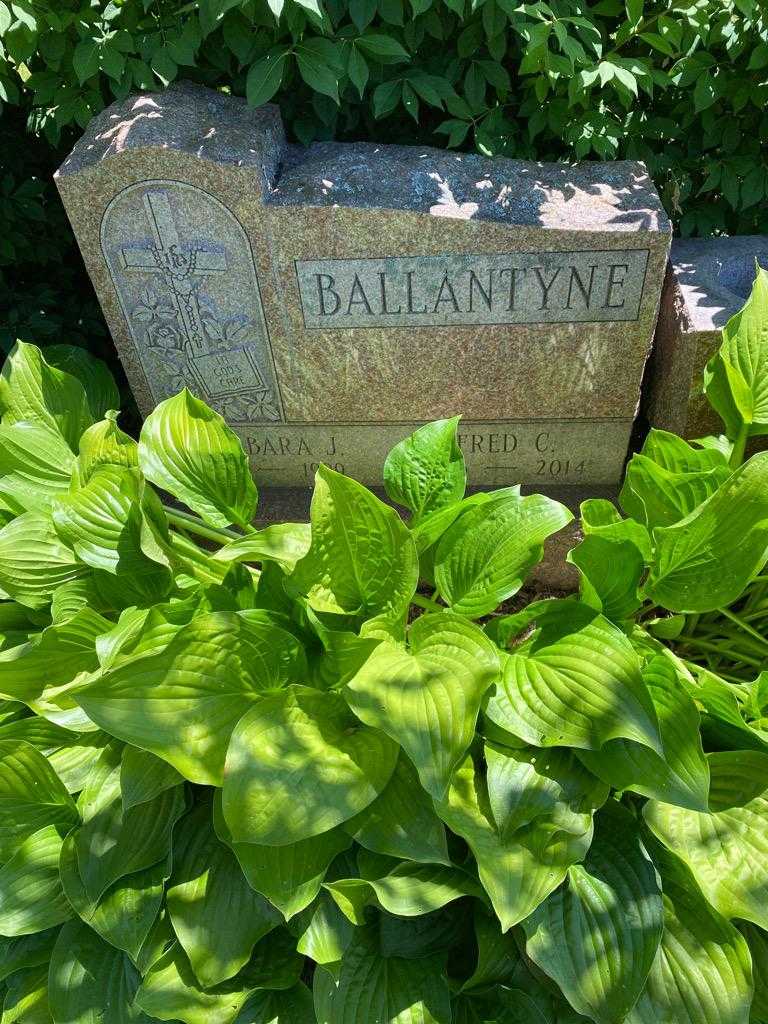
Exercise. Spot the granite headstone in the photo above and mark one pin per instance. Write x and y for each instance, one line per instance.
(327, 300)
(708, 281)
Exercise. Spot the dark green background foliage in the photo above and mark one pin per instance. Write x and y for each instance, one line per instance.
(682, 86)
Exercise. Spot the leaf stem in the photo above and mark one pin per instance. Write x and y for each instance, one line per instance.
(185, 521)
(739, 446)
(425, 602)
(704, 645)
(742, 624)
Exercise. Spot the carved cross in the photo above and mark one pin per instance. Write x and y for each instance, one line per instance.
(180, 266)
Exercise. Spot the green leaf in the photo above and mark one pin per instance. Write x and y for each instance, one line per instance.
(401, 821)
(427, 699)
(757, 940)
(576, 682)
(484, 557)
(315, 67)
(182, 703)
(426, 471)
(681, 776)
(382, 48)
(293, 1006)
(100, 388)
(298, 764)
(31, 795)
(702, 973)
(516, 873)
(389, 990)
(497, 953)
(91, 982)
(33, 560)
(30, 389)
(106, 444)
(31, 896)
(610, 574)
(187, 449)
(36, 465)
(143, 776)
(688, 572)
(326, 936)
(727, 849)
(110, 843)
(26, 951)
(217, 917)
(125, 914)
(598, 935)
(265, 76)
(362, 560)
(290, 877)
(26, 998)
(169, 990)
(600, 518)
(284, 543)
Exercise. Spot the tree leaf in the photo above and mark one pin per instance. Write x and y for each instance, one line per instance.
(183, 703)
(516, 873)
(598, 935)
(727, 849)
(483, 558)
(33, 560)
(426, 471)
(681, 776)
(702, 973)
(91, 982)
(298, 764)
(125, 914)
(187, 448)
(265, 76)
(30, 389)
(31, 896)
(217, 917)
(35, 465)
(110, 843)
(401, 821)
(427, 699)
(31, 795)
(575, 683)
(362, 560)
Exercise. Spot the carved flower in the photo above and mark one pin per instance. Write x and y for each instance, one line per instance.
(153, 307)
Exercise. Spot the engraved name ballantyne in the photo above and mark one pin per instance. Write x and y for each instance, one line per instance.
(473, 289)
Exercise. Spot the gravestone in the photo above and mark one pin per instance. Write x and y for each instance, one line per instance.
(327, 300)
(707, 282)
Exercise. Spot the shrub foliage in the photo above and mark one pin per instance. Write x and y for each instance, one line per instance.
(315, 772)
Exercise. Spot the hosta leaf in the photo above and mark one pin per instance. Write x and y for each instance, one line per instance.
(426, 471)
(681, 776)
(31, 795)
(26, 951)
(598, 935)
(35, 465)
(532, 783)
(111, 843)
(389, 990)
(106, 444)
(31, 896)
(183, 703)
(26, 1001)
(757, 941)
(401, 821)
(610, 574)
(428, 531)
(100, 388)
(600, 518)
(103, 523)
(327, 935)
(284, 543)
(169, 990)
(497, 953)
(289, 876)
(187, 448)
(688, 572)
(91, 982)
(727, 850)
(517, 873)
(34, 561)
(217, 917)
(30, 389)
(702, 973)
(736, 379)
(143, 776)
(576, 683)
(293, 1006)
(427, 699)
(409, 890)
(660, 497)
(298, 764)
(127, 911)
(483, 558)
(362, 560)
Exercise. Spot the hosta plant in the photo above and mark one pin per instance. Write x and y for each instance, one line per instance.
(319, 773)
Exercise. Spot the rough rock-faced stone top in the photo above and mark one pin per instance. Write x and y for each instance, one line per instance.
(328, 300)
